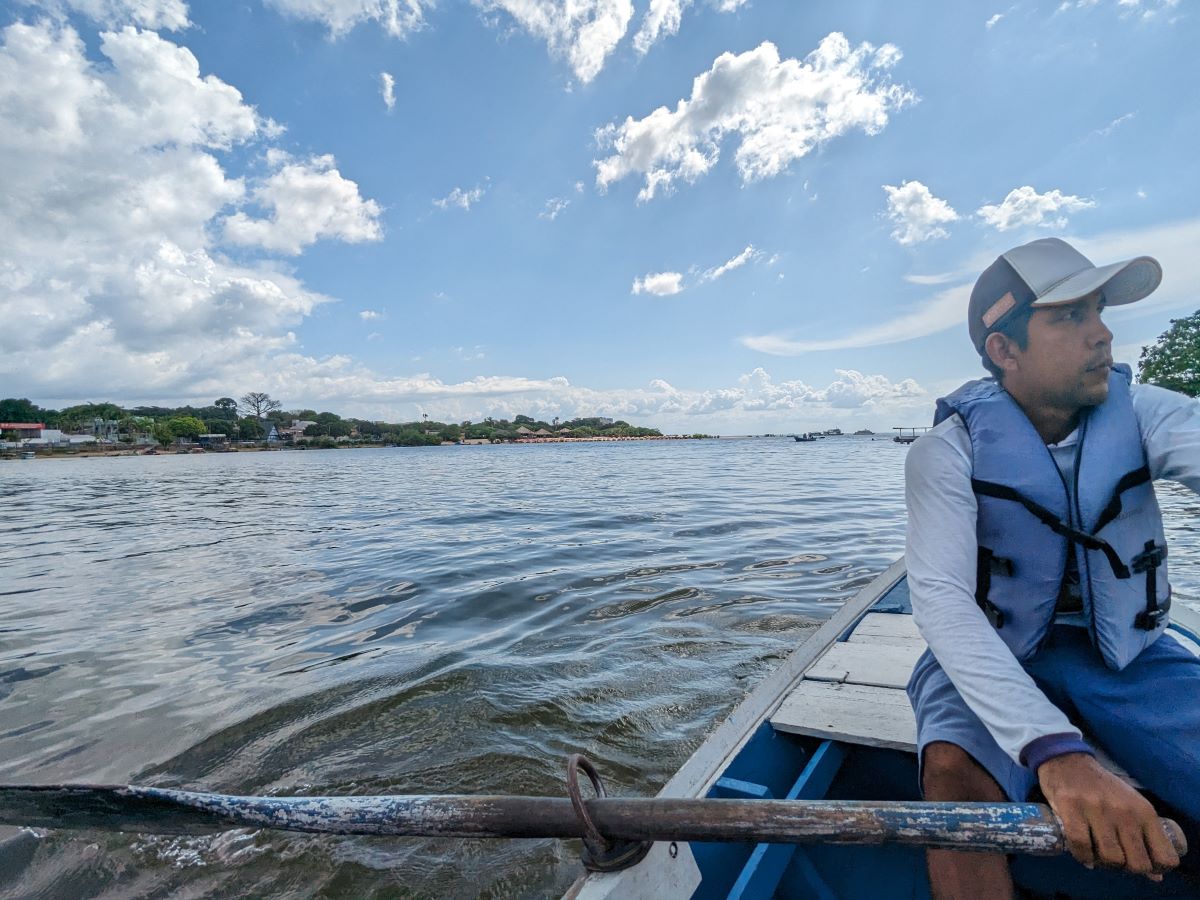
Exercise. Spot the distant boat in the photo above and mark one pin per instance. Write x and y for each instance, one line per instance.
(804, 438)
(832, 432)
(864, 431)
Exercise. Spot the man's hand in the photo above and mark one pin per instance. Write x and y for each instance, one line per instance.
(1105, 821)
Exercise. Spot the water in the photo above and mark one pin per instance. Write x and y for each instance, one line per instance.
(435, 620)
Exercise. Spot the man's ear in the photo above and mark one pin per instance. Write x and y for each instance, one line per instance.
(1001, 350)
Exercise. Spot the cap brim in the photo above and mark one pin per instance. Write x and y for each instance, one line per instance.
(1123, 282)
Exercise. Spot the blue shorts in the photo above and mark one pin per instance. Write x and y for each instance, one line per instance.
(1146, 717)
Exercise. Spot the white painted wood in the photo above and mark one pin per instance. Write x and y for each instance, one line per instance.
(884, 665)
(1185, 640)
(656, 877)
(857, 713)
(887, 629)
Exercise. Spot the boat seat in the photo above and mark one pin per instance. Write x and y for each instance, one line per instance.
(854, 692)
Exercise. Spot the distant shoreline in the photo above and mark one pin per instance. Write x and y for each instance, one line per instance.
(113, 452)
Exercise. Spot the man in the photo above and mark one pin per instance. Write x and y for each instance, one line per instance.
(1037, 567)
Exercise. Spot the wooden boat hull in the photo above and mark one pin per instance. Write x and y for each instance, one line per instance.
(749, 757)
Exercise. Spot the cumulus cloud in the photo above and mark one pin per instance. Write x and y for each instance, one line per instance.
(461, 199)
(729, 265)
(991, 23)
(159, 15)
(584, 32)
(553, 207)
(660, 284)
(308, 200)
(369, 315)
(110, 272)
(1025, 206)
(780, 110)
(398, 18)
(387, 89)
(919, 216)
(662, 19)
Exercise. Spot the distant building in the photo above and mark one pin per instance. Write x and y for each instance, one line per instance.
(105, 430)
(213, 441)
(23, 430)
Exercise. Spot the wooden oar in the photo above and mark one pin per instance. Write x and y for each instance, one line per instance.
(1026, 828)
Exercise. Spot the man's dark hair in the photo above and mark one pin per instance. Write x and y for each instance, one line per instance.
(1016, 329)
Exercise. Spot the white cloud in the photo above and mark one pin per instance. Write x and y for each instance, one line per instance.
(919, 216)
(1113, 125)
(110, 274)
(1025, 206)
(369, 315)
(398, 18)
(944, 310)
(938, 278)
(662, 19)
(780, 109)
(729, 265)
(1148, 9)
(308, 200)
(158, 15)
(661, 284)
(991, 23)
(585, 32)
(387, 89)
(461, 199)
(553, 207)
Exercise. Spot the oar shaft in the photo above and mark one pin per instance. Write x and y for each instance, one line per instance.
(1025, 828)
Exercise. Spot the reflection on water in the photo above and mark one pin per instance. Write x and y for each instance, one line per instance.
(432, 620)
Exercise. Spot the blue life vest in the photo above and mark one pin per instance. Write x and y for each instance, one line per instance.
(1028, 524)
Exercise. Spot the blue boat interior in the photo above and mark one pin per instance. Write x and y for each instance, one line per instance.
(779, 765)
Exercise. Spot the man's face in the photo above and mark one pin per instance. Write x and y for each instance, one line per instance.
(1066, 362)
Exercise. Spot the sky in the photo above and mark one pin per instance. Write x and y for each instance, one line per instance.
(719, 216)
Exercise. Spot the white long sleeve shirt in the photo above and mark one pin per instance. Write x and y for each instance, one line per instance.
(941, 555)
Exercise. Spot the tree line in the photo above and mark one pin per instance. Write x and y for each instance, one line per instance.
(250, 417)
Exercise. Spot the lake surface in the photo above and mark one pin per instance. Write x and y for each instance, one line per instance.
(433, 620)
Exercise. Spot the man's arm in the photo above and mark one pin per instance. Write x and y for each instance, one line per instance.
(941, 557)
(1170, 425)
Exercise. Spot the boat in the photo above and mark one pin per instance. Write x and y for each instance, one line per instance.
(804, 438)
(832, 432)
(833, 722)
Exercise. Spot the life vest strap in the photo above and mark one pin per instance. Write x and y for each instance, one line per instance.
(1127, 481)
(1053, 522)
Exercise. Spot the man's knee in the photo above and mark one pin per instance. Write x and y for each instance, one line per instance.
(948, 772)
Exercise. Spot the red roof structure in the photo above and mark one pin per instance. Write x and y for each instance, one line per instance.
(23, 426)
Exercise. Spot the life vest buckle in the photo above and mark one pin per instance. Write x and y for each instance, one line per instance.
(1150, 619)
(994, 614)
(1150, 558)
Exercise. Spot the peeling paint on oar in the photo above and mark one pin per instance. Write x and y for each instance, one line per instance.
(1025, 828)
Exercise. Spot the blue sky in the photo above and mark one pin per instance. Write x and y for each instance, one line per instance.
(713, 215)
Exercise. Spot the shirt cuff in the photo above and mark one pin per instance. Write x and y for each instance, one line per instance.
(1048, 746)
